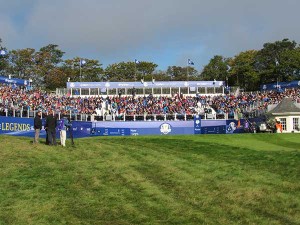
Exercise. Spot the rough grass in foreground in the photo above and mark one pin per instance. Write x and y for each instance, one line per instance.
(204, 179)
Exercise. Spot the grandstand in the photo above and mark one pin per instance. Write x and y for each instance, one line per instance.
(117, 103)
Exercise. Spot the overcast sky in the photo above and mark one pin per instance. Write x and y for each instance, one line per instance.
(166, 32)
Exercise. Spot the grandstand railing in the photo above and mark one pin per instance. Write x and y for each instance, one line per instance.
(246, 113)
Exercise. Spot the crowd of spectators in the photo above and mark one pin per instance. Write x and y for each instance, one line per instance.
(17, 99)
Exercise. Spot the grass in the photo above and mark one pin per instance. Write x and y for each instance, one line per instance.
(204, 179)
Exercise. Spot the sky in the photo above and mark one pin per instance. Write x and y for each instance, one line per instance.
(166, 32)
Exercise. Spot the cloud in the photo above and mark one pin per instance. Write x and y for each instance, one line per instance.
(119, 29)
(8, 31)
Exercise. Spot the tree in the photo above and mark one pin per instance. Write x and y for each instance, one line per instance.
(145, 68)
(46, 59)
(217, 69)
(182, 73)
(51, 55)
(242, 72)
(289, 67)
(91, 71)
(55, 78)
(160, 75)
(270, 60)
(123, 71)
(22, 63)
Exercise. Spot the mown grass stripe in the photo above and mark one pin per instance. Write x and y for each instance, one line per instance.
(205, 179)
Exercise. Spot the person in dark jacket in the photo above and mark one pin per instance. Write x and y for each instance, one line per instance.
(50, 126)
(70, 129)
(37, 127)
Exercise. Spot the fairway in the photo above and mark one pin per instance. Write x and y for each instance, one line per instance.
(200, 179)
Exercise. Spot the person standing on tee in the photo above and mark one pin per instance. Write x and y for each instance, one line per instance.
(51, 124)
(37, 127)
(63, 126)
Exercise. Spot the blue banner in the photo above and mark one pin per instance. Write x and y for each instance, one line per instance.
(156, 84)
(280, 86)
(142, 128)
(16, 81)
(24, 127)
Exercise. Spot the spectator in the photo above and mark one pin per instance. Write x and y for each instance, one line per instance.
(278, 126)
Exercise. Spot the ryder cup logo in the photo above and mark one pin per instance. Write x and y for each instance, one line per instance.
(72, 85)
(165, 128)
(299, 83)
(231, 127)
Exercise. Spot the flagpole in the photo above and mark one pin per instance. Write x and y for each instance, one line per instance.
(187, 72)
(80, 70)
(134, 71)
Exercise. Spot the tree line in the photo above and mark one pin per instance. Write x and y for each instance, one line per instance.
(276, 61)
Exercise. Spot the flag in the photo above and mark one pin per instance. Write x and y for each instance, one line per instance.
(82, 62)
(136, 61)
(2, 52)
(190, 62)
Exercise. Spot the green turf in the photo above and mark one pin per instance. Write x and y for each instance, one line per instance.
(204, 179)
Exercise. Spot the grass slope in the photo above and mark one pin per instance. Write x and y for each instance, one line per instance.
(204, 179)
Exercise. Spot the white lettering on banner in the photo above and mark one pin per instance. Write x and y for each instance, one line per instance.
(15, 127)
(203, 84)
